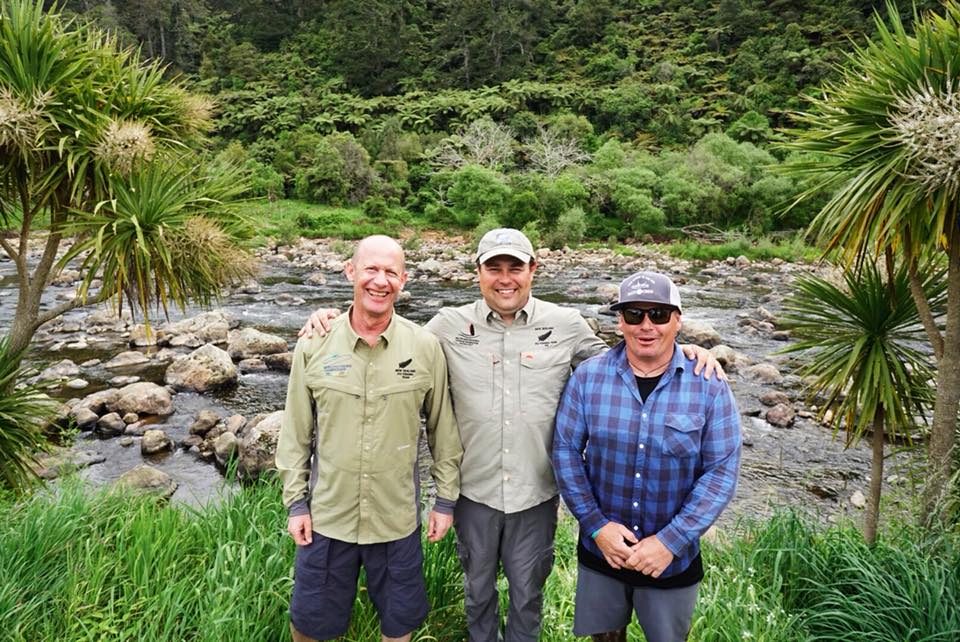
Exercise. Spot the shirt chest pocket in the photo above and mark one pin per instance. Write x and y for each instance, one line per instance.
(681, 435)
(544, 373)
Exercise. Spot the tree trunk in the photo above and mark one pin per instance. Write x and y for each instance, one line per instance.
(943, 430)
(871, 517)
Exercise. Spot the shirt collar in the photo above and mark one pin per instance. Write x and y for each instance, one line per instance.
(677, 362)
(523, 316)
(386, 336)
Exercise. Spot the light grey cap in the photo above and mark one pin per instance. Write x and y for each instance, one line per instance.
(504, 240)
(648, 287)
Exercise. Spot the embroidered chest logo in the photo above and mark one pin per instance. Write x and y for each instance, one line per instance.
(404, 371)
(545, 337)
(336, 365)
(467, 337)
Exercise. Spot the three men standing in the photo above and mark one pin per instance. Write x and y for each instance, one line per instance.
(646, 456)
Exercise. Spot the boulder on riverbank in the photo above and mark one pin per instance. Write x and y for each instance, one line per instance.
(147, 479)
(142, 398)
(250, 342)
(206, 368)
(258, 446)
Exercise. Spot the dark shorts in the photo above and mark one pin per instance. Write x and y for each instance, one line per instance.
(325, 585)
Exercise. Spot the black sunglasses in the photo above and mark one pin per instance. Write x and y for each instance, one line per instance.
(658, 316)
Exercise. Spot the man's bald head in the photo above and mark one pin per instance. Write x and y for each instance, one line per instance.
(380, 245)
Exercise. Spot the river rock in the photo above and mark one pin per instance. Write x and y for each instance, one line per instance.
(77, 384)
(250, 342)
(127, 359)
(131, 418)
(123, 380)
(188, 340)
(147, 479)
(110, 425)
(430, 266)
(700, 333)
(142, 337)
(254, 364)
(206, 419)
(258, 446)
(857, 500)
(209, 327)
(235, 424)
(225, 447)
(764, 373)
(52, 465)
(279, 361)
(729, 358)
(191, 441)
(143, 398)
(83, 417)
(205, 368)
(136, 429)
(774, 397)
(288, 299)
(609, 292)
(126, 442)
(316, 279)
(65, 369)
(98, 401)
(781, 415)
(155, 441)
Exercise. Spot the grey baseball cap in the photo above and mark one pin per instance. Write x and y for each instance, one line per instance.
(504, 240)
(647, 287)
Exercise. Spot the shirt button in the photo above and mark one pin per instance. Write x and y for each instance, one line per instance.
(635, 527)
(641, 446)
(635, 504)
(506, 451)
(644, 415)
(637, 475)
(506, 392)
(506, 361)
(507, 333)
(506, 423)
(506, 478)
(365, 475)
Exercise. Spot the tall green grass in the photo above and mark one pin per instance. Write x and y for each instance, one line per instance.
(792, 249)
(79, 565)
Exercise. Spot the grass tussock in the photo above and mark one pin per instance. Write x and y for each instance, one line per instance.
(76, 565)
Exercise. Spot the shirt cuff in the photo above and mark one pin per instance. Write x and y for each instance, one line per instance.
(299, 507)
(444, 506)
(594, 522)
(674, 539)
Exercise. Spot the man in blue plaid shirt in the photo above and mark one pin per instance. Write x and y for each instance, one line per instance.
(646, 456)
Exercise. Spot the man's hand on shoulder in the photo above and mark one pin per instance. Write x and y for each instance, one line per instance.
(649, 556)
(612, 540)
(705, 361)
(301, 529)
(318, 323)
(438, 525)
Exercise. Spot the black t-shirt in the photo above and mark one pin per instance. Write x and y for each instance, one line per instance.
(688, 577)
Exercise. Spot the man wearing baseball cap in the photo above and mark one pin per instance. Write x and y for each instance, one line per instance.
(509, 355)
(646, 455)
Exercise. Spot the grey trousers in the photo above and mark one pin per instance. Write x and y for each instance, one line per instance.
(603, 604)
(523, 543)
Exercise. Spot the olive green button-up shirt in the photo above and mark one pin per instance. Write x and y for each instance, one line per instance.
(367, 403)
(506, 383)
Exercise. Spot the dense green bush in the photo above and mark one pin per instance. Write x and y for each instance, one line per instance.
(324, 179)
(476, 192)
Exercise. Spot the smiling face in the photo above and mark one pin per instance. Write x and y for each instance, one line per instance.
(505, 284)
(649, 344)
(377, 273)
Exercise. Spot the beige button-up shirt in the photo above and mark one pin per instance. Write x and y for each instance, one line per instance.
(367, 403)
(506, 383)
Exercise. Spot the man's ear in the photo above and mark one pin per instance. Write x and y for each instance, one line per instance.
(348, 270)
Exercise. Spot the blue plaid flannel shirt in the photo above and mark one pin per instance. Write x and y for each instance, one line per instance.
(666, 467)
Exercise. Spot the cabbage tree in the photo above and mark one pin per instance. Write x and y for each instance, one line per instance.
(887, 134)
(859, 341)
(95, 158)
